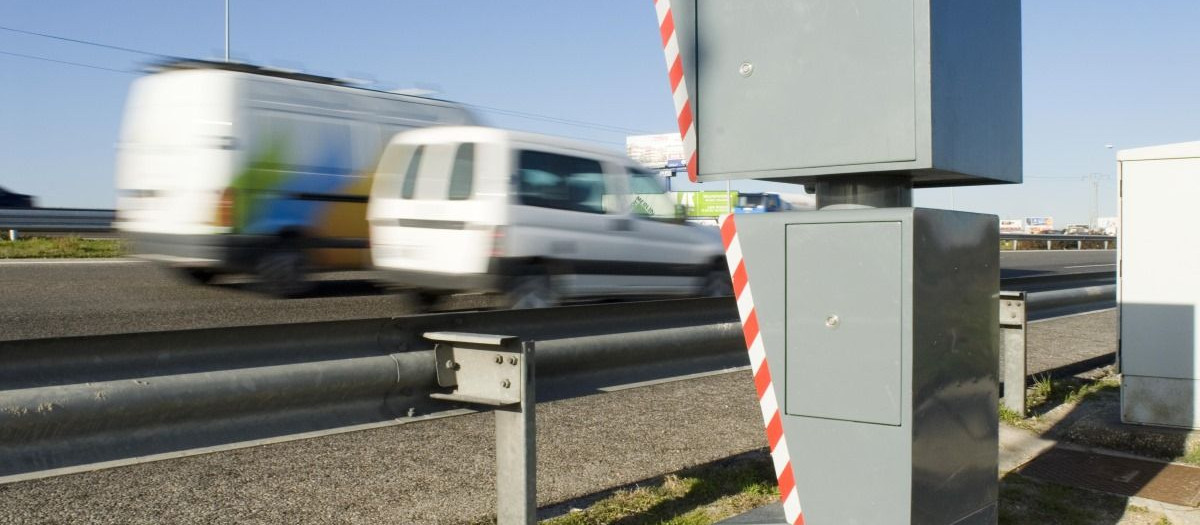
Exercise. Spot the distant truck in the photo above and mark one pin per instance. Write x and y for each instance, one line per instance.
(227, 168)
(760, 203)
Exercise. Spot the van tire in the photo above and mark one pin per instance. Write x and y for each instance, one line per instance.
(199, 276)
(531, 291)
(717, 284)
(283, 273)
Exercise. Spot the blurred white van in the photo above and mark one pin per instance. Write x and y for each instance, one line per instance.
(235, 168)
(540, 219)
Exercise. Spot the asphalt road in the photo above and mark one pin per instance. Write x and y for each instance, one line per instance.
(441, 471)
(55, 298)
(58, 298)
(1022, 263)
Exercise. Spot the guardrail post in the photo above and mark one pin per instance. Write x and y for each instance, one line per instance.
(497, 370)
(1012, 345)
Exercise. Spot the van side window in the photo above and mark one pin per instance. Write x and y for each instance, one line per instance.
(304, 144)
(410, 174)
(561, 182)
(462, 175)
(648, 197)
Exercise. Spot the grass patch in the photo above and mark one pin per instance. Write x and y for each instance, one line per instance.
(696, 496)
(1047, 394)
(710, 493)
(1010, 416)
(60, 248)
(1192, 457)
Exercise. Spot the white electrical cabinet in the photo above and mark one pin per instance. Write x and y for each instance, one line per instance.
(1159, 285)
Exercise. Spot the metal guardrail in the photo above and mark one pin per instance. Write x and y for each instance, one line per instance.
(1108, 241)
(58, 220)
(66, 403)
(1043, 280)
(82, 220)
(1017, 309)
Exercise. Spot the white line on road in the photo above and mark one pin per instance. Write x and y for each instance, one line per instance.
(1089, 266)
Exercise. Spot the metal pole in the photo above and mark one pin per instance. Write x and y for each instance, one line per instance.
(1012, 344)
(227, 30)
(879, 191)
(516, 453)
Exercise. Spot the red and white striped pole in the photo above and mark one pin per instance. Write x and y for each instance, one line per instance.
(683, 108)
(762, 373)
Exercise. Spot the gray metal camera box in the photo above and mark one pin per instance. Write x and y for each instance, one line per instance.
(798, 89)
(879, 328)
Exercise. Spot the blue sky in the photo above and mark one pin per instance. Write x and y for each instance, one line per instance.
(1096, 72)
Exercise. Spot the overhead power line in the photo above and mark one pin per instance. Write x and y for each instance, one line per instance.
(509, 112)
(33, 57)
(85, 42)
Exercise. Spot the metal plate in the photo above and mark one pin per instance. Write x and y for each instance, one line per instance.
(1118, 475)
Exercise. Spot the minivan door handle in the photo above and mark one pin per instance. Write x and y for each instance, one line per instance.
(621, 225)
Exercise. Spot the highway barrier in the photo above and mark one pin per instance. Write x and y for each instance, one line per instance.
(77, 403)
(13, 221)
(80, 220)
(1041, 241)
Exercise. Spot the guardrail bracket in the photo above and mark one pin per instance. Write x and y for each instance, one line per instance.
(497, 371)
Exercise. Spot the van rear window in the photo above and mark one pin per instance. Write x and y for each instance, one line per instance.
(462, 174)
(561, 182)
(410, 174)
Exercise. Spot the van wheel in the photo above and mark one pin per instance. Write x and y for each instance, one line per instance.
(424, 300)
(283, 273)
(717, 284)
(194, 275)
(531, 291)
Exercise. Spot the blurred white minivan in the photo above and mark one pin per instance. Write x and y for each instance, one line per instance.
(539, 219)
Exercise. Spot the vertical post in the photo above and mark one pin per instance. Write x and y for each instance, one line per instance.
(497, 371)
(12, 235)
(1012, 347)
(516, 453)
(227, 30)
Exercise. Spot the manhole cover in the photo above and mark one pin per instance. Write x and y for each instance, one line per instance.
(1117, 475)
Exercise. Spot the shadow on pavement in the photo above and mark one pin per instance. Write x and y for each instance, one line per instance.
(1098, 469)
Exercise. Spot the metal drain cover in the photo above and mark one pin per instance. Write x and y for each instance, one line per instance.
(1118, 475)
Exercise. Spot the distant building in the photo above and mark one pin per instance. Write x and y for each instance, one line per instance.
(656, 152)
